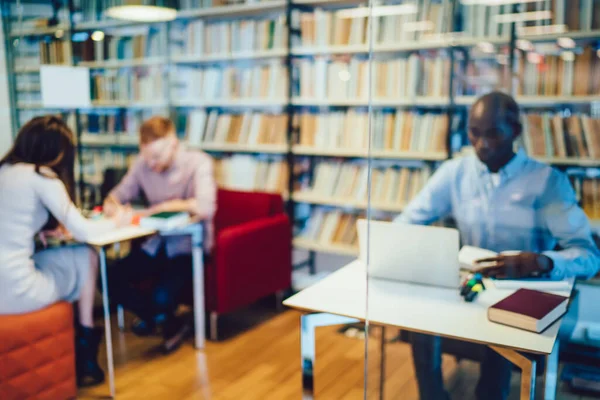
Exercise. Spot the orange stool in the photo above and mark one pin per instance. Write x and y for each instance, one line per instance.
(37, 354)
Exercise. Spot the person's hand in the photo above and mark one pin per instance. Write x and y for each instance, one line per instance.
(60, 233)
(122, 216)
(522, 265)
(111, 207)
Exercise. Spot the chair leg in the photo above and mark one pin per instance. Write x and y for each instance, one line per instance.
(279, 295)
(121, 317)
(214, 320)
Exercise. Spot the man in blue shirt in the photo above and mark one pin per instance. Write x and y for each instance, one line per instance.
(501, 201)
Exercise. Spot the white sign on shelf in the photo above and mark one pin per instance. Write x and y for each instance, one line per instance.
(65, 86)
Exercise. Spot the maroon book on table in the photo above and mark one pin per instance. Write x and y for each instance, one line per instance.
(531, 303)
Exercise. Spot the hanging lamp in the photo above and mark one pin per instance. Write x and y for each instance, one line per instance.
(143, 10)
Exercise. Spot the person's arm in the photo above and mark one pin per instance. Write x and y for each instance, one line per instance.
(433, 201)
(127, 190)
(203, 204)
(567, 222)
(54, 197)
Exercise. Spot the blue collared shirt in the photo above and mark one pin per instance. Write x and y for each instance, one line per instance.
(531, 207)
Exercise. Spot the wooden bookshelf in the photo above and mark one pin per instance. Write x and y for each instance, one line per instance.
(25, 69)
(104, 24)
(139, 62)
(251, 55)
(573, 161)
(236, 10)
(311, 198)
(377, 102)
(312, 245)
(241, 148)
(541, 101)
(362, 153)
(104, 104)
(120, 139)
(50, 30)
(249, 103)
(548, 37)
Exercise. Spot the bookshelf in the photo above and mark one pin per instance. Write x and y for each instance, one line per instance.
(303, 66)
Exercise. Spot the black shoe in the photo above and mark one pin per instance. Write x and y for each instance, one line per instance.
(175, 331)
(87, 341)
(143, 328)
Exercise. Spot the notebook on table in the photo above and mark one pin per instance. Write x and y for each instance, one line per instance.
(528, 309)
(165, 221)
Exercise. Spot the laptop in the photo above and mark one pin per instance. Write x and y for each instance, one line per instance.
(425, 255)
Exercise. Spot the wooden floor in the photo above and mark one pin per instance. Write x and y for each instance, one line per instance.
(263, 363)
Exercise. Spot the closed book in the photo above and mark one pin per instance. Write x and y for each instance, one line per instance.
(529, 309)
(165, 220)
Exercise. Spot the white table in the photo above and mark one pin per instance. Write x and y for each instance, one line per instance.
(134, 232)
(341, 298)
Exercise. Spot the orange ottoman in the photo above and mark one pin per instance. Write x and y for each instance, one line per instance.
(37, 354)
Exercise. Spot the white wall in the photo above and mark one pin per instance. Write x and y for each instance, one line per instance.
(6, 134)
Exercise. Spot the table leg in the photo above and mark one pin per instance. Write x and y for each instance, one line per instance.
(551, 375)
(382, 365)
(198, 271)
(107, 330)
(528, 370)
(308, 324)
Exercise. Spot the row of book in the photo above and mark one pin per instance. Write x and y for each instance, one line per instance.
(554, 135)
(390, 185)
(332, 226)
(134, 43)
(243, 172)
(400, 78)
(125, 121)
(268, 81)
(562, 73)
(395, 131)
(250, 128)
(349, 26)
(199, 37)
(193, 4)
(147, 85)
(590, 197)
(33, 53)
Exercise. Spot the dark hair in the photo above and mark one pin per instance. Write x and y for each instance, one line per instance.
(46, 141)
(505, 105)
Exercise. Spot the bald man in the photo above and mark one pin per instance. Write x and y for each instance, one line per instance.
(501, 200)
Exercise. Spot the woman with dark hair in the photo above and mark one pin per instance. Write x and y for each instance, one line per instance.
(36, 194)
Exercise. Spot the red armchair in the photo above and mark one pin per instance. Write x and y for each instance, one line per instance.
(251, 258)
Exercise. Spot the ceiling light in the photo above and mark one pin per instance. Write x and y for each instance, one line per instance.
(143, 10)
(98, 36)
(524, 45)
(566, 42)
(541, 30)
(522, 17)
(378, 11)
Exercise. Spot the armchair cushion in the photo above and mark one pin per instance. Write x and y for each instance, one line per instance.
(234, 208)
(250, 261)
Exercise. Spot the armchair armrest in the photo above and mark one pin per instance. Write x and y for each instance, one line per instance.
(252, 260)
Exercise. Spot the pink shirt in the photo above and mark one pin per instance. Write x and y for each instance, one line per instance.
(190, 176)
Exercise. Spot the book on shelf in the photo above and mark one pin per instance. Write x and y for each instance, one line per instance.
(143, 85)
(552, 135)
(590, 198)
(204, 38)
(400, 78)
(332, 227)
(35, 52)
(262, 80)
(128, 43)
(391, 185)
(250, 173)
(566, 73)
(124, 123)
(339, 27)
(249, 129)
(398, 130)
